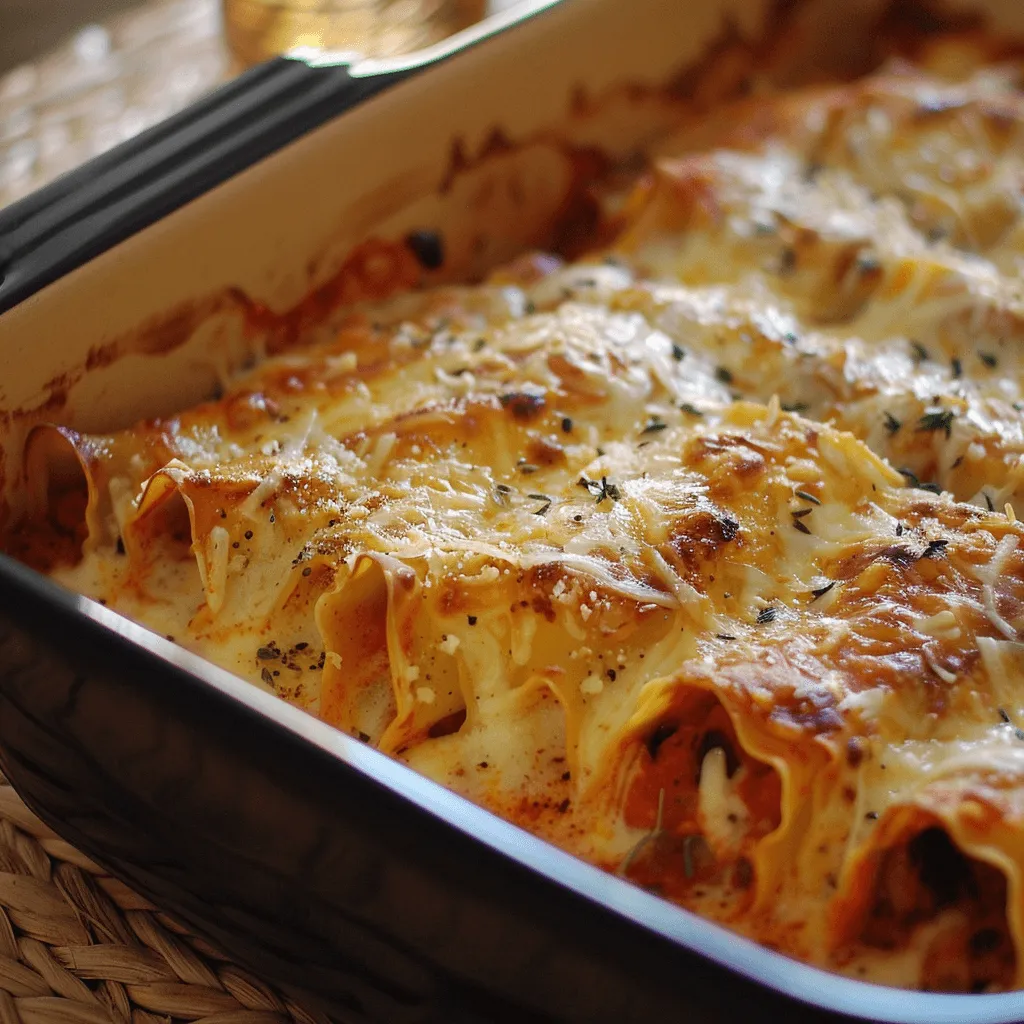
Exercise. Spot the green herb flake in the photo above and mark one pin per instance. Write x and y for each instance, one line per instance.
(892, 425)
(920, 352)
(691, 410)
(766, 615)
(941, 419)
(608, 490)
(544, 508)
(600, 489)
(804, 496)
(654, 425)
(989, 359)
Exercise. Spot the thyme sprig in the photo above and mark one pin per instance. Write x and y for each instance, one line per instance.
(602, 490)
(650, 837)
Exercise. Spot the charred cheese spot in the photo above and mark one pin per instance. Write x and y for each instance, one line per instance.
(523, 405)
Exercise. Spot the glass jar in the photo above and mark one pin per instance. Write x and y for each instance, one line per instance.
(259, 29)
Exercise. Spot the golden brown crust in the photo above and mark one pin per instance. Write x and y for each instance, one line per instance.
(635, 551)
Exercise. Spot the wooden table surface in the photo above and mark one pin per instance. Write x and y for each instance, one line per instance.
(103, 83)
(31, 27)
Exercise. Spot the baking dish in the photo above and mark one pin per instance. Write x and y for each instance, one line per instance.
(407, 915)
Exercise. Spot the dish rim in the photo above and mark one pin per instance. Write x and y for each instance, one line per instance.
(667, 922)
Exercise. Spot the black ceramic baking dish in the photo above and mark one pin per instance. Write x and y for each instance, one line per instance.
(298, 850)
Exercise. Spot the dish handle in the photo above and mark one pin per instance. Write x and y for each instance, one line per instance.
(108, 199)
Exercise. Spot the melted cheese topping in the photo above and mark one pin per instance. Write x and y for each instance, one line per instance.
(634, 551)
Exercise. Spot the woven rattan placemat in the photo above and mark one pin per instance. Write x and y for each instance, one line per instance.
(79, 947)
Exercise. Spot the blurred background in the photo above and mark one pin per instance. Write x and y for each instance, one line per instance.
(79, 76)
(30, 27)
